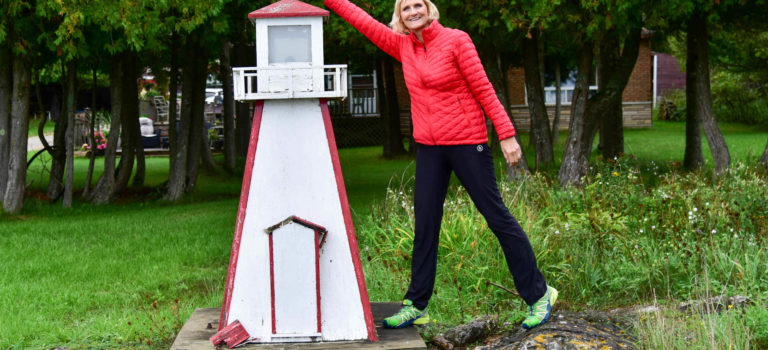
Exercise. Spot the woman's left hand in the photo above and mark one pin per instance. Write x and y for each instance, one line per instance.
(511, 150)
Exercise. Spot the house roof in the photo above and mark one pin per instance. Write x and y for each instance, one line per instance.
(288, 8)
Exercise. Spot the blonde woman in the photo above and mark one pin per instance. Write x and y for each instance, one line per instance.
(449, 92)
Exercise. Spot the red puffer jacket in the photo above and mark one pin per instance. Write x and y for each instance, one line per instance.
(445, 78)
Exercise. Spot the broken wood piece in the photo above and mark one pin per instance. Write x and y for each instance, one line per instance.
(233, 335)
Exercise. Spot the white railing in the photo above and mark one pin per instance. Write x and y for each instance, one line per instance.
(265, 83)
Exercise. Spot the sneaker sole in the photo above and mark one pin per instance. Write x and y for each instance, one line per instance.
(406, 323)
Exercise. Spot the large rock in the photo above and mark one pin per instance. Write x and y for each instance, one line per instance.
(568, 330)
(468, 333)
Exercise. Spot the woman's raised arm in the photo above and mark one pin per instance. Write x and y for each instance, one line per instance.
(378, 33)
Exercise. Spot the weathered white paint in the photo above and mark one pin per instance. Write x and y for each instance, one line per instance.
(293, 175)
(294, 258)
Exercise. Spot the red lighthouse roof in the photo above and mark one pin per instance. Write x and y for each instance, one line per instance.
(288, 8)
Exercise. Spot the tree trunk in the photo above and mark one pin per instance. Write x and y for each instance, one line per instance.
(540, 133)
(206, 157)
(13, 201)
(141, 168)
(183, 174)
(173, 88)
(59, 155)
(575, 160)
(104, 189)
(764, 158)
(698, 93)
(91, 138)
(130, 122)
(242, 109)
(228, 109)
(493, 68)
(242, 128)
(611, 122)
(179, 148)
(197, 120)
(6, 81)
(70, 138)
(558, 106)
(390, 110)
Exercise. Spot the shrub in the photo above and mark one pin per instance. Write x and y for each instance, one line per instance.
(737, 98)
(672, 106)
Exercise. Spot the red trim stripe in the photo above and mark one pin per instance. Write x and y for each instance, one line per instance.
(272, 283)
(246, 188)
(317, 280)
(351, 237)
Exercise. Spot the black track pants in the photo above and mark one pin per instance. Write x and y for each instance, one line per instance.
(473, 165)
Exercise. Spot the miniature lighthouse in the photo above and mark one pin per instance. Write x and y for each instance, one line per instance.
(294, 273)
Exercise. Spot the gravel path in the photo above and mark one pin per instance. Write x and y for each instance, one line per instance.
(34, 144)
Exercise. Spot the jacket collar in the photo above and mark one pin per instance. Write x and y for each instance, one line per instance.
(429, 33)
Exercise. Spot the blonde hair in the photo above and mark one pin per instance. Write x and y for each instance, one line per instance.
(397, 23)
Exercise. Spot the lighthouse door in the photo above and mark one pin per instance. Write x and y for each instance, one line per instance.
(295, 282)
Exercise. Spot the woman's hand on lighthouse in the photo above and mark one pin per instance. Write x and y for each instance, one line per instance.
(511, 150)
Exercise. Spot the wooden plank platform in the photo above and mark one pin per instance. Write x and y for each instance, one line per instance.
(203, 323)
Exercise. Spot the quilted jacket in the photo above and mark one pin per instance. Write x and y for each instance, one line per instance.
(445, 78)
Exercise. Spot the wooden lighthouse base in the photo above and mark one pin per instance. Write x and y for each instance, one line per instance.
(204, 323)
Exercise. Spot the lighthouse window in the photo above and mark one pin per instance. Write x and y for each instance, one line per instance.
(289, 44)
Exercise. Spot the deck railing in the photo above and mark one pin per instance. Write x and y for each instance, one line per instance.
(264, 83)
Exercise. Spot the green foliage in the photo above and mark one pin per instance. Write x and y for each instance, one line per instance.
(672, 106)
(627, 236)
(758, 324)
(739, 99)
(699, 329)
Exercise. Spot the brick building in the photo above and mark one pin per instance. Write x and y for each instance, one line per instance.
(637, 97)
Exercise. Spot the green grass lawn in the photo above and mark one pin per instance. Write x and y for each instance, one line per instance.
(35, 122)
(128, 275)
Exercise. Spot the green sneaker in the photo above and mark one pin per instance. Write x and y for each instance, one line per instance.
(540, 310)
(407, 316)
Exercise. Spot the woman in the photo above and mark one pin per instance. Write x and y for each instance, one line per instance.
(449, 92)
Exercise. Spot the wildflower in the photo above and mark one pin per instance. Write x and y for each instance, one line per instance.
(641, 230)
(714, 231)
(690, 213)
(695, 209)
(615, 173)
(566, 225)
(653, 227)
(557, 232)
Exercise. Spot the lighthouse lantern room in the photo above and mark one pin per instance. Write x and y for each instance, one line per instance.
(289, 56)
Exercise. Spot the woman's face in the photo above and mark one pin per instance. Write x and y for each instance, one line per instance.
(413, 13)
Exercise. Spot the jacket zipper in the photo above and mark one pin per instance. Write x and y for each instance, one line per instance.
(429, 103)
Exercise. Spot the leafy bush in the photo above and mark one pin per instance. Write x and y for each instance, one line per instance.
(672, 106)
(736, 98)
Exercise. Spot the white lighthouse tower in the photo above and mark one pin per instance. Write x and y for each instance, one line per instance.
(294, 273)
